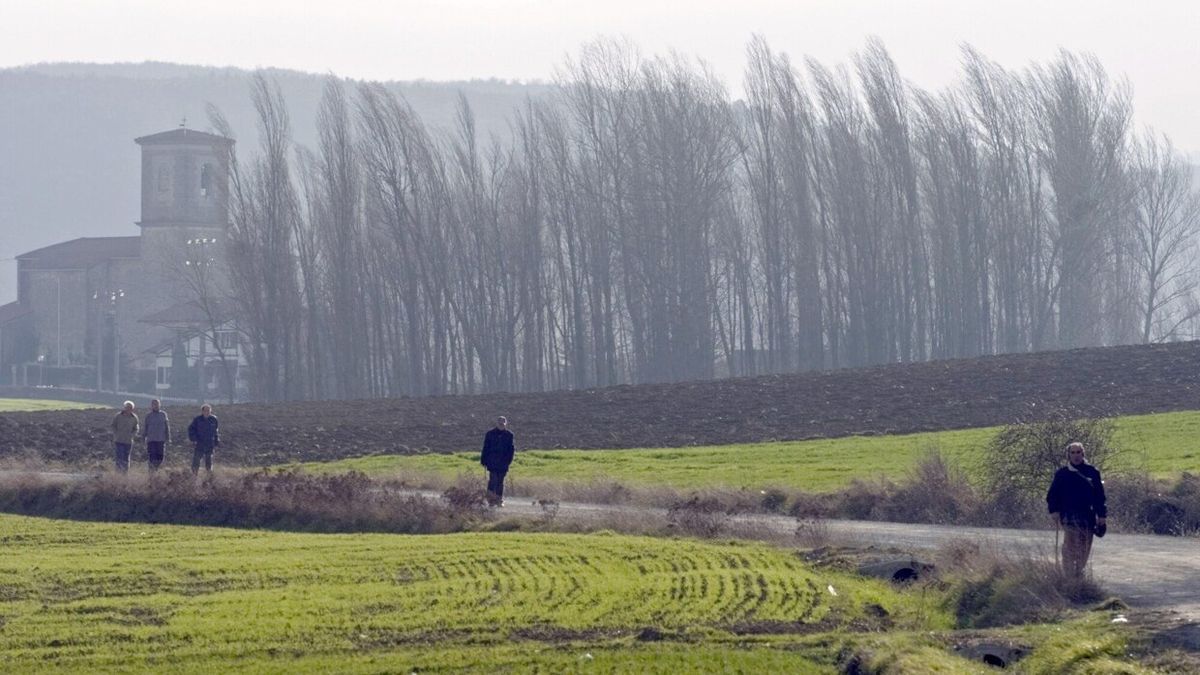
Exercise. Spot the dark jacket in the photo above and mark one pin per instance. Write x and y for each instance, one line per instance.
(203, 432)
(497, 450)
(1077, 496)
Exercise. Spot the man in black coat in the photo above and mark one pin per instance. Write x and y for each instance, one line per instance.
(205, 432)
(496, 457)
(1076, 500)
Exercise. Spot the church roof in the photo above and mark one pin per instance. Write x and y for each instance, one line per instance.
(81, 253)
(182, 136)
(13, 310)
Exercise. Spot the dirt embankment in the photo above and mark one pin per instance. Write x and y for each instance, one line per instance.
(890, 399)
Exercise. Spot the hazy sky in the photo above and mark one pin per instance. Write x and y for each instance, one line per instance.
(1155, 43)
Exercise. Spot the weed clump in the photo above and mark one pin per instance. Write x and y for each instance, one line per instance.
(990, 588)
(698, 516)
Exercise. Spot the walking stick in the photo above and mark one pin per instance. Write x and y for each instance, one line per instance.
(1057, 550)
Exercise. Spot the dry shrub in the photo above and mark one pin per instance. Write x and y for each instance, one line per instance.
(810, 505)
(813, 532)
(863, 500)
(936, 491)
(993, 587)
(1140, 503)
(698, 516)
(468, 494)
(282, 500)
(772, 500)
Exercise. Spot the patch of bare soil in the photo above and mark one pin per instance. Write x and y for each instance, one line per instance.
(901, 398)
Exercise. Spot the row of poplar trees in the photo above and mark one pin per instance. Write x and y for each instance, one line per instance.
(640, 225)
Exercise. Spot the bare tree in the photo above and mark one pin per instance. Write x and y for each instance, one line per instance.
(1166, 221)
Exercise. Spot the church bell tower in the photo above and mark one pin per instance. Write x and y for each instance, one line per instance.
(185, 211)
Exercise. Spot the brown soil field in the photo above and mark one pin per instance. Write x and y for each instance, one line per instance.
(893, 399)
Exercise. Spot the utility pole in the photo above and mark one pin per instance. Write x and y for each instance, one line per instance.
(110, 296)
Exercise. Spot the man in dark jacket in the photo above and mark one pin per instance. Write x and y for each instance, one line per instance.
(496, 457)
(203, 431)
(1076, 500)
(157, 432)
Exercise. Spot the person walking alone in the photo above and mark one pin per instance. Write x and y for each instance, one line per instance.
(1076, 501)
(124, 429)
(497, 456)
(204, 431)
(157, 432)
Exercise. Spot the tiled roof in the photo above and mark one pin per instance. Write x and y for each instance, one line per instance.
(187, 313)
(183, 136)
(81, 253)
(13, 310)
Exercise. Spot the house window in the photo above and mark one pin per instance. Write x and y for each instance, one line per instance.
(227, 339)
(163, 377)
(206, 180)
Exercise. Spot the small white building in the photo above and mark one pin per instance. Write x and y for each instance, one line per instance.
(205, 359)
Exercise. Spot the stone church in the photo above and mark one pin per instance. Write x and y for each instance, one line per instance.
(139, 314)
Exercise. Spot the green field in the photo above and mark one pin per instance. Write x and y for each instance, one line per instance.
(30, 404)
(88, 597)
(1165, 444)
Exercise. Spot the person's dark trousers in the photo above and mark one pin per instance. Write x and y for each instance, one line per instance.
(154, 454)
(496, 486)
(202, 453)
(121, 455)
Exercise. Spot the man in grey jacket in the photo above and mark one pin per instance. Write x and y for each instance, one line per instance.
(124, 428)
(157, 432)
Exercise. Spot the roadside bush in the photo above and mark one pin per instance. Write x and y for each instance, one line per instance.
(935, 491)
(773, 500)
(280, 500)
(1022, 458)
(698, 516)
(468, 495)
(863, 500)
(1140, 503)
(992, 588)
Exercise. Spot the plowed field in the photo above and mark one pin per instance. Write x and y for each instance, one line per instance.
(893, 399)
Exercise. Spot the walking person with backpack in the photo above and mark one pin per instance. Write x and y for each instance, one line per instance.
(1076, 501)
(497, 456)
(204, 432)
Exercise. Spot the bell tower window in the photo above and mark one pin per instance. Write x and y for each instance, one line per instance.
(206, 180)
(163, 180)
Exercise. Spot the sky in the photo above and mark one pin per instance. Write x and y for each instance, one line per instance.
(1155, 44)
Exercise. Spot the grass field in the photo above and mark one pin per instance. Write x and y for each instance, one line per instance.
(33, 404)
(1165, 444)
(87, 597)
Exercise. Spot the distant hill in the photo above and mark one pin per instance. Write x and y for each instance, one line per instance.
(68, 164)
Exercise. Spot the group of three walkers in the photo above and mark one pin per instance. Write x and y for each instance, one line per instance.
(203, 433)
